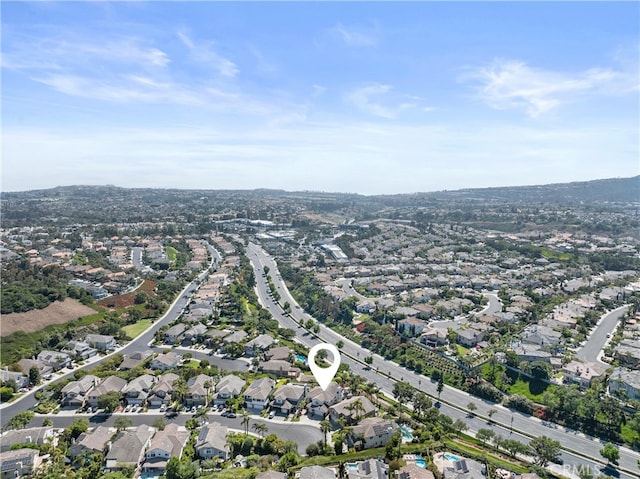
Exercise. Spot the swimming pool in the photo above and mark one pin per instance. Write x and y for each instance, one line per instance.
(301, 358)
(421, 463)
(352, 466)
(451, 457)
(406, 433)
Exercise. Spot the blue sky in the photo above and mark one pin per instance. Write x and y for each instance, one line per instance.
(366, 97)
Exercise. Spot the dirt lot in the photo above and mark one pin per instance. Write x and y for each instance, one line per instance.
(37, 319)
(129, 299)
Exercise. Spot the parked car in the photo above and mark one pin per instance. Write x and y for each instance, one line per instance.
(272, 414)
(229, 414)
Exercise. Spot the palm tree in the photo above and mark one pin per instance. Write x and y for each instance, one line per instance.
(325, 428)
(260, 428)
(245, 421)
(179, 390)
(207, 385)
(358, 408)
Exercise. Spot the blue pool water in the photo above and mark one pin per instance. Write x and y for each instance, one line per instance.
(406, 433)
(352, 466)
(421, 463)
(451, 457)
(301, 358)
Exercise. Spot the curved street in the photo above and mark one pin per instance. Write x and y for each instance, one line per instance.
(591, 352)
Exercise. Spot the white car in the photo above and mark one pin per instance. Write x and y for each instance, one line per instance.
(162, 408)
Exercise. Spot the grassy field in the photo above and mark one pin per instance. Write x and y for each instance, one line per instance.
(172, 253)
(23, 345)
(134, 330)
(533, 389)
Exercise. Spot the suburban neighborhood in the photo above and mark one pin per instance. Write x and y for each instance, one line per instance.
(179, 349)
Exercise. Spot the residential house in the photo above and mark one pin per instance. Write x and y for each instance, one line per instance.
(101, 342)
(279, 368)
(19, 462)
(365, 306)
(55, 359)
(579, 373)
(528, 352)
(256, 397)
(108, 384)
(411, 471)
(258, 344)
(625, 382)
(320, 400)
(212, 442)
(165, 444)
(281, 353)
(372, 432)
(134, 359)
(228, 387)
(540, 335)
(174, 333)
(316, 472)
(628, 353)
(165, 361)
(469, 337)
(74, 393)
(128, 448)
(369, 469)
(198, 388)
(352, 409)
(160, 395)
(33, 435)
(195, 333)
(235, 337)
(411, 326)
(21, 380)
(91, 441)
(287, 397)
(213, 337)
(27, 364)
(138, 389)
(434, 337)
(81, 349)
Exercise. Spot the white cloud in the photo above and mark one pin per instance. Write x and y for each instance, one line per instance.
(369, 99)
(73, 52)
(204, 54)
(354, 36)
(512, 84)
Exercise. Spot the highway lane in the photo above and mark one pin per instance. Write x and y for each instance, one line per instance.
(452, 399)
(143, 341)
(302, 433)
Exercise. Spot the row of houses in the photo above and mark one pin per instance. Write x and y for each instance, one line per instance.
(142, 446)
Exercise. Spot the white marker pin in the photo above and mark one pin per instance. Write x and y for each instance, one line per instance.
(324, 375)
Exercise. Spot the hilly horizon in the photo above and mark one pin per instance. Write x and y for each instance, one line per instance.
(600, 190)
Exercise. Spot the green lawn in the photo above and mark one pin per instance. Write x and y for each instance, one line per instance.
(172, 253)
(533, 390)
(134, 330)
(193, 364)
(629, 436)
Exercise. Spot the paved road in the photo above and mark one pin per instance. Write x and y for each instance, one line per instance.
(453, 401)
(28, 401)
(592, 349)
(345, 284)
(302, 433)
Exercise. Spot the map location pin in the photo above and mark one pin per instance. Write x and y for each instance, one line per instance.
(324, 375)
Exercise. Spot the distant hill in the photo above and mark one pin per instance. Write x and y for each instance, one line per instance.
(613, 190)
